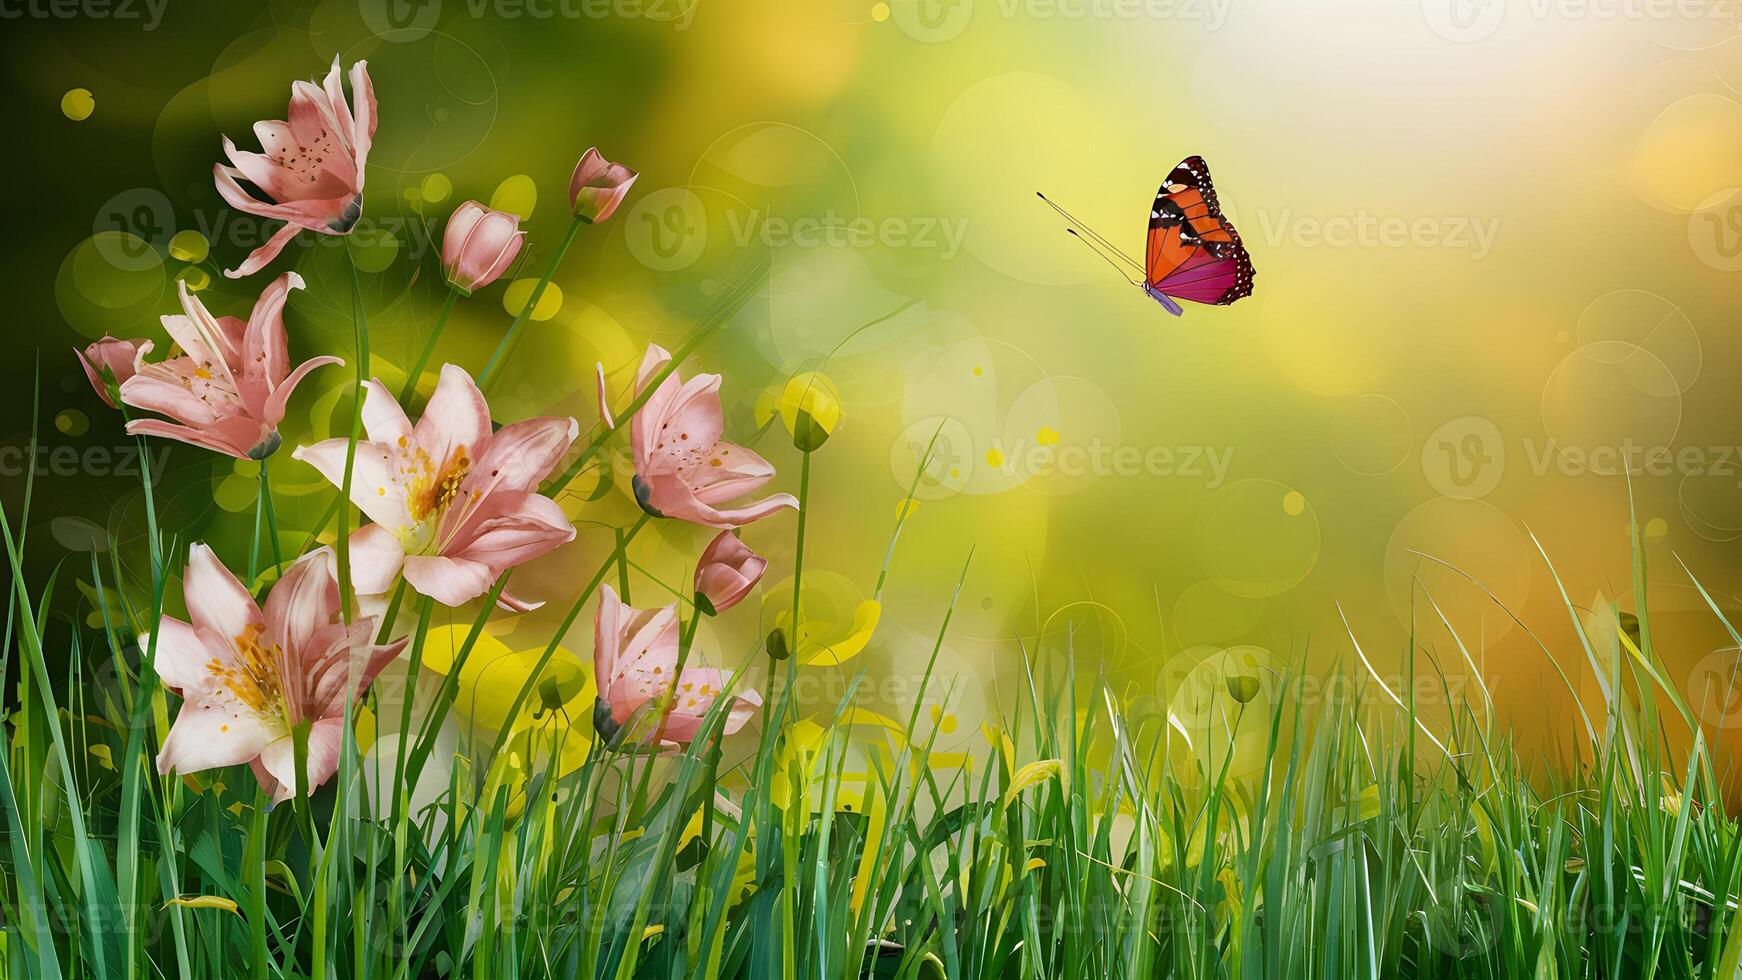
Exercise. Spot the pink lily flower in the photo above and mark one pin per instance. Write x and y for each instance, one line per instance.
(479, 245)
(727, 571)
(111, 362)
(249, 676)
(682, 469)
(597, 186)
(310, 169)
(635, 660)
(454, 504)
(230, 387)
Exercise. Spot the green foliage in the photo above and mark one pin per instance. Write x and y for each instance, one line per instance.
(1081, 843)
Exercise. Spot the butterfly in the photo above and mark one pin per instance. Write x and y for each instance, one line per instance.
(1192, 253)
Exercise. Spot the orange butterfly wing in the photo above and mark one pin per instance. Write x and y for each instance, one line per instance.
(1193, 251)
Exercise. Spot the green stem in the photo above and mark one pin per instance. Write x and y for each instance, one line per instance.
(789, 889)
(392, 614)
(498, 358)
(271, 516)
(346, 593)
(259, 519)
(429, 346)
(299, 755)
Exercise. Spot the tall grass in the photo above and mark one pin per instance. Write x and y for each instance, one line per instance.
(1087, 838)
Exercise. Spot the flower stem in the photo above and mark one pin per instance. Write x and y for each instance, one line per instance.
(429, 346)
(513, 334)
(271, 515)
(254, 541)
(347, 595)
(789, 889)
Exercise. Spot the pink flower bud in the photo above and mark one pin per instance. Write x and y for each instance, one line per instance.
(727, 571)
(479, 245)
(598, 186)
(110, 362)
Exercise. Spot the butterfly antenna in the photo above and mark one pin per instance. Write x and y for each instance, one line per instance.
(1090, 233)
(1104, 256)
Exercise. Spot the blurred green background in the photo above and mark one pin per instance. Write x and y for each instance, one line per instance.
(1497, 250)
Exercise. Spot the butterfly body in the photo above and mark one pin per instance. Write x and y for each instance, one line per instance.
(1160, 297)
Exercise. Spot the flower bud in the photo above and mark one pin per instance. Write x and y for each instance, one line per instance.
(727, 571)
(479, 245)
(109, 362)
(810, 409)
(598, 186)
(777, 648)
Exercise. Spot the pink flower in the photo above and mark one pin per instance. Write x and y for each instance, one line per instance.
(111, 362)
(454, 504)
(682, 469)
(310, 169)
(249, 676)
(727, 571)
(635, 660)
(478, 246)
(230, 387)
(598, 186)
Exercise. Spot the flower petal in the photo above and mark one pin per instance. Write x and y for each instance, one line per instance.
(216, 600)
(181, 656)
(304, 600)
(455, 417)
(377, 485)
(325, 738)
(265, 347)
(523, 453)
(449, 581)
(210, 733)
(376, 557)
(262, 256)
(273, 413)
